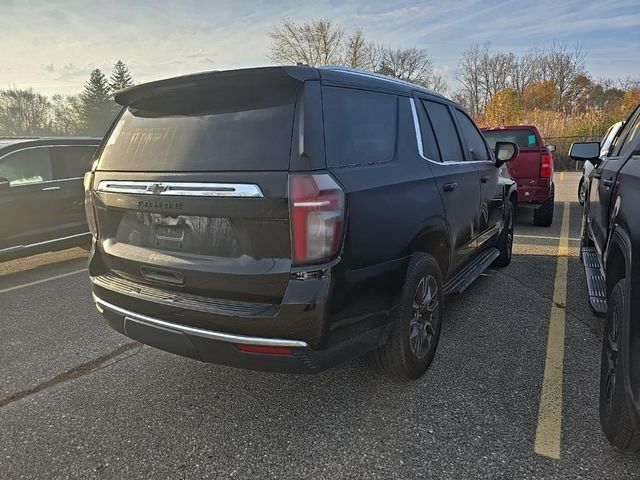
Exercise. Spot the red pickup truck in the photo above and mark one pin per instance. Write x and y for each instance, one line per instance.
(532, 169)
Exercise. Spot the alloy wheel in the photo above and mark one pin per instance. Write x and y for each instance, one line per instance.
(424, 316)
(611, 357)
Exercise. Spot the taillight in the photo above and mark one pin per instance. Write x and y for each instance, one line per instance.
(317, 210)
(546, 165)
(89, 205)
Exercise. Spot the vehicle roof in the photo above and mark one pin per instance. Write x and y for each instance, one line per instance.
(17, 143)
(328, 74)
(509, 127)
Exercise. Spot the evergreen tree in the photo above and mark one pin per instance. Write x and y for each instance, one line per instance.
(97, 104)
(120, 77)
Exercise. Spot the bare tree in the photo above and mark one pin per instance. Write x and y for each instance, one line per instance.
(314, 43)
(356, 54)
(563, 67)
(23, 112)
(469, 76)
(410, 64)
(66, 113)
(527, 70)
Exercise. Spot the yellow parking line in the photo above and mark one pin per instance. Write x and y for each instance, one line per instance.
(48, 279)
(561, 176)
(549, 427)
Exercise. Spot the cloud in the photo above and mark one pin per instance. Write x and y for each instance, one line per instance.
(165, 38)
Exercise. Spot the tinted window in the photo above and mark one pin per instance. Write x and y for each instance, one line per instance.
(72, 161)
(445, 130)
(476, 147)
(214, 129)
(360, 126)
(632, 139)
(523, 137)
(31, 165)
(429, 144)
(620, 140)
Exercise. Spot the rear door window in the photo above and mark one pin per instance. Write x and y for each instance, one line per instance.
(205, 129)
(476, 147)
(27, 166)
(445, 130)
(360, 126)
(72, 161)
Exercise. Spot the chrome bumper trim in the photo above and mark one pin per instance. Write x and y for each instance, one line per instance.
(199, 332)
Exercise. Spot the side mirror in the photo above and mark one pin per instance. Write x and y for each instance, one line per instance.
(583, 151)
(551, 148)
(4, 184)
(505, 152)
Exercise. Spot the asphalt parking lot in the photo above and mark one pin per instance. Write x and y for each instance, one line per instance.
(77, 400)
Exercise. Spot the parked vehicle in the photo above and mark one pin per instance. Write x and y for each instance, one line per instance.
(532, 169)
(291, 218)
(611, 258)
(588, 166)
(41, 194)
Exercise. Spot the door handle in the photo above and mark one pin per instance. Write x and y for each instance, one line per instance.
(608, 182)
(484, 179)
(50, 189)
(449, 187)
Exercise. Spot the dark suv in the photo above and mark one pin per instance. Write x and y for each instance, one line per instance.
(291, 218)
(611, 258)
(41, 194)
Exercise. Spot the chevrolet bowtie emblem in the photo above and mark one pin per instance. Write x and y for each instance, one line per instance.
(156, 188)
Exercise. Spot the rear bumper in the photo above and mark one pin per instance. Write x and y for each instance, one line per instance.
(533, 191)
(222, 348)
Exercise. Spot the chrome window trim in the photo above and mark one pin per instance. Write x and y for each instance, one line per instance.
(184, 189)
(416, 126)
(200, 332)
(43, 146)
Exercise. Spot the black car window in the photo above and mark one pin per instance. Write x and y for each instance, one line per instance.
(429, 144)
(632, 140)
(445, 131)
(72, 161)
(360, 126)
(631, 125)
(231, 128)
(27, 166)
(476, 146)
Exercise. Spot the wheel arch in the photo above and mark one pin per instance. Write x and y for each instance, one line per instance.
(434, 240)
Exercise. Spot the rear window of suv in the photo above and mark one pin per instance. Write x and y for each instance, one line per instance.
(360, 126)
(524, 138)
(205, 130)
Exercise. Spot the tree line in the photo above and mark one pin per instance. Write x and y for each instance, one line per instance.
(548, 87)
(25, 112)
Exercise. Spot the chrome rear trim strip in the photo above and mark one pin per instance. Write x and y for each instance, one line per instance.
(184, 189)
(199, 332)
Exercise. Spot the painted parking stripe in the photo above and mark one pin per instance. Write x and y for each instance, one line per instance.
(37, 282)
(549, 429)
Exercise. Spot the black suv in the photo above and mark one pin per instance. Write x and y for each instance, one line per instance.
(611, 258)
(291, 218)
(41, 194)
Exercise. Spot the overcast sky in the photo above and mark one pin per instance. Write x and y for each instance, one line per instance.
(53, 45)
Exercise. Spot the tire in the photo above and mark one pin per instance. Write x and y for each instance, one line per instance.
(413, 341)
(615, 417)
(505, 242)
(543, 215)
(582, 191)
